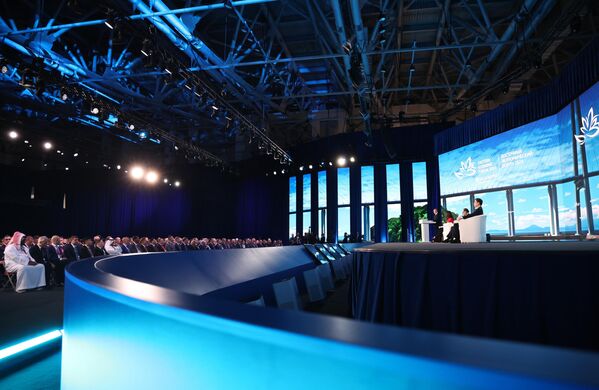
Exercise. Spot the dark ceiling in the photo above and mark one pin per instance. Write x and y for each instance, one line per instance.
(218, 82)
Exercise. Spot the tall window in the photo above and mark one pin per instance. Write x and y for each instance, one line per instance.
(322, 203)
(420, 195)
(531, 210)
(343, 213)
(292, 206)
(495, 208)
(367, 208)
(393, 203)
(307, 203)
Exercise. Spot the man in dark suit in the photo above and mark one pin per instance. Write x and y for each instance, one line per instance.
(39, 252)
(54, 256)
(130, 243)
(86, 250)
(438, 219)
(72, 249)
(99, 248)
(123, 244)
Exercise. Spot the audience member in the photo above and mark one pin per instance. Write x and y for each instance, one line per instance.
(30, 274)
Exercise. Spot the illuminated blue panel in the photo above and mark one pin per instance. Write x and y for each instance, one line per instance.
(589, 110)
(343, 222)
(495, 206)
(419, 180)
(393, 189)
(566, 206)
(531, 210)
(537, 152)
(307, 222)
(119, 340)
(292, 194)
(26, 345)
(292, 224)
(367, 184)
(322, 189)
(342, 186)
(307, 193)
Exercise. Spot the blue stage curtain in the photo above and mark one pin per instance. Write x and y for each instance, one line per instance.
(538, 297)
(408, 232)
(574, 79)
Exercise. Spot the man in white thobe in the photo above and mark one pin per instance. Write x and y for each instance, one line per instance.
(30, 274)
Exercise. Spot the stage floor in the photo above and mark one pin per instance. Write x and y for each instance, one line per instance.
(540, 246)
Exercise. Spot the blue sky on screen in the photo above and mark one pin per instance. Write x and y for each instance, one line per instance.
(292, 224)
(342, 186)
(292, 194)
(419, 180)
(393, 191)
(368, 184)
(322, 189)
(307, 194)
(590, 100)
(536, 152)
(343, 223)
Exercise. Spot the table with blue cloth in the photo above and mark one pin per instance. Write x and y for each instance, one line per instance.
(539, 292)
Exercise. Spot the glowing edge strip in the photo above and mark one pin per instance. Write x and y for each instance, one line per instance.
(27, 344)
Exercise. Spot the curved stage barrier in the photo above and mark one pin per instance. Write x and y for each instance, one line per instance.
(152, 321)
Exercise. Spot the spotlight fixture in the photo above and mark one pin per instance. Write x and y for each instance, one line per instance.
(75, 154)
(118, 167)
(310, 166)
(165, 180)
(137, 173)
(131, 126)
(301, 168)
(13, 134)
(22, 160)
(352, 159)
(26, 141)
(151, 177)
(66, 168)
(64, 96)
(330, 163)
(274, 173)
(143, 135)
(177, 183)
(3, 66)
(95, 110)
(47, 145)
(341, 161)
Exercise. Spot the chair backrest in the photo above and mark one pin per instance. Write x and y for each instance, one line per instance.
(474, 229)
(446, 228)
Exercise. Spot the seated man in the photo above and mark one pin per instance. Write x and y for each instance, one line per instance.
(454, 233)
(30, 274)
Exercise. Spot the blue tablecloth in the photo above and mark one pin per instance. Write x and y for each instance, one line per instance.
(542, 297)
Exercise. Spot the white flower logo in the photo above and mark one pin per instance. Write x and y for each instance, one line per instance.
(466, 169)
(590, 127)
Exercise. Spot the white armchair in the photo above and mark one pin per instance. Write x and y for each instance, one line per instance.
(446, 228)
(473, 229)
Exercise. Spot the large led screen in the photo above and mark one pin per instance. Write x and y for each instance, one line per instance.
(534, 153)
(589, 131)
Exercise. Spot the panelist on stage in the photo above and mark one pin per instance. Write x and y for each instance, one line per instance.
(454, 233)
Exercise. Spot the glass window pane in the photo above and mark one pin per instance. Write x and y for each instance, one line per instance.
(292, 194)
(495, 208)
(306, 222)
(393, 191)
(342, 186)
(566, 207)
(394, 222)
(419, 179)
(368, 184)
(343, 224)
(594, 188)
(322, 224)
(307, 199)
(322, 189)
(292, 225)
(456, 204)
(367, 229)
(419, 213)
(531, 210)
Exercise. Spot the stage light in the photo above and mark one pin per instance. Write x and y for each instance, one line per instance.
(22, 160)
(66, 168)
(26, 141)
(58, 151)
(75, 154)
(47, 145)
(28, 344)
(13, 134)
(310, 166)
(95, 110)
(165, 180)
(274, 173)
(341, 161)
(131, 126)
(330, 163)
(151, 177)
(143, 135)
(352, 159)
(301, 168)
(176, 147)
(137, 173)
(177, 184)
(118, 167)
(64, 94)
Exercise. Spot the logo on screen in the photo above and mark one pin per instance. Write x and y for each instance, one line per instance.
(466, 169)
(589, 129)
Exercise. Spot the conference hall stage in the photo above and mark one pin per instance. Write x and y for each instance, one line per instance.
(539, 292)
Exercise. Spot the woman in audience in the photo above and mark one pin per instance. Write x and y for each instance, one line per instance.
(30, 274)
